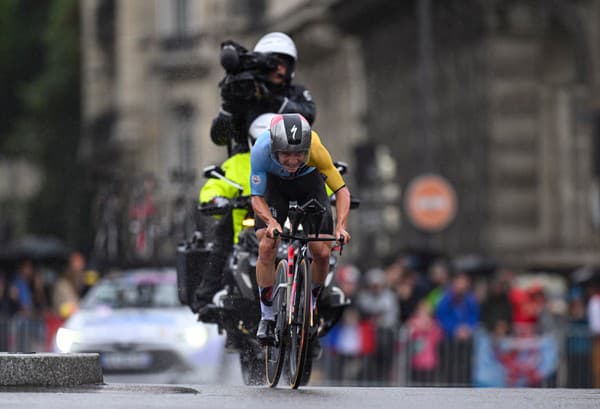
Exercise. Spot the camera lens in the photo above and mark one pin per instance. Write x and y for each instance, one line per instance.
(229, 58)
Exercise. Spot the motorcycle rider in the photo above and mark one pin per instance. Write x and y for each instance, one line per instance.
(233, 124)
(217, 192)
(276, 95)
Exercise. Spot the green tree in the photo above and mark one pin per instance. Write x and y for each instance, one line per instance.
(21, 56)
(47, 108)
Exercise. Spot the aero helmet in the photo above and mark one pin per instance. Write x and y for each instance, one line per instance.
(258, 126)
(290, 133)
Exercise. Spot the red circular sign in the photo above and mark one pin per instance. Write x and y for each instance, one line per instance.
(430, 203)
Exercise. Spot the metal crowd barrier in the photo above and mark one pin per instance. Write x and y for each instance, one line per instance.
(561, 358)
(25, 335)
(568, 356)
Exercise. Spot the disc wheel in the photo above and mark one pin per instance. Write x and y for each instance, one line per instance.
(275, 354)
(300, 325)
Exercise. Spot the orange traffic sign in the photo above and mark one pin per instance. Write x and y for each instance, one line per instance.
(430, 203)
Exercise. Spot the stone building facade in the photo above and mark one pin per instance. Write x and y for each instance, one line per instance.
(498, 96)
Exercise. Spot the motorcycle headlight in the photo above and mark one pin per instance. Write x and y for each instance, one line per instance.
(65, 338)
(196, 336)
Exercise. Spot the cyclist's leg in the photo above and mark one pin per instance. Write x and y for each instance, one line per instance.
(320, 251)
(265, 265)
(267, 247)
(314, 188)
(265, 276)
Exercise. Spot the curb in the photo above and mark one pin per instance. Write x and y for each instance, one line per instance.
(19, 369)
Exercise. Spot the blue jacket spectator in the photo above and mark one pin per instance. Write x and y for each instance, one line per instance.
(458, 311)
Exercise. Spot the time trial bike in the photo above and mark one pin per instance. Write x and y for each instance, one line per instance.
(295, 321)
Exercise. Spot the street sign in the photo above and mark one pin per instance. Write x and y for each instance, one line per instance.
(430, 203)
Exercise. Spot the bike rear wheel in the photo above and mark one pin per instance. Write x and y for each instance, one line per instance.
(300, 324)
(275, 354)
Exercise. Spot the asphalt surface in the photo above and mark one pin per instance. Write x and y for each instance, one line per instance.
(127, 396)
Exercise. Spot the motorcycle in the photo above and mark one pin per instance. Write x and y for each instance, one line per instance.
(235, 308)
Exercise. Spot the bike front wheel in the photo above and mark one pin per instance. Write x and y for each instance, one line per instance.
(275, 354)
(300, 323)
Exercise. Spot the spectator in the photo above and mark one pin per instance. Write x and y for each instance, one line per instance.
(593, 311)
(353, 338)
(27, 292)
(67, 289)
(458, 314)
(425, 335)
(439, 275)
(496, 311)
(378, 302)
(404, 285)
(8, 298)
(578, 343)
(528, 304)
(350, 342)
(347, 277)
(458, 311)
(23, 283)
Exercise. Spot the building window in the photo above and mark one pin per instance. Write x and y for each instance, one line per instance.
(181, 13)
(178, 23)
(253, 10)
(183, 165)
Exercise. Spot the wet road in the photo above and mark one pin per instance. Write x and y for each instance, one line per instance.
(127, 396)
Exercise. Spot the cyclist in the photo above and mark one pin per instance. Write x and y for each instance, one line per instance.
(276, 94)
(289, 163)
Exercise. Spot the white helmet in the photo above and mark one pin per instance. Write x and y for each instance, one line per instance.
(258, 126)
(277, 42)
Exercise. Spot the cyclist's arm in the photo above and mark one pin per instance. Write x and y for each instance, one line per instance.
(342, 209)
(259, 159)
(261, 209)
(321, 159)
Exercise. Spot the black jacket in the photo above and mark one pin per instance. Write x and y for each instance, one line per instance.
(231, 129)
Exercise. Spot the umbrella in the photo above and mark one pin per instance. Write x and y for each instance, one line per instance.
(475, 264)
(36, 248)
(585, 274)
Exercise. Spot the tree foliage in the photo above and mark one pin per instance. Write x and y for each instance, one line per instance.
(40, 105)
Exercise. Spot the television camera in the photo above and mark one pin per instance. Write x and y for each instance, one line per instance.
(245, 72)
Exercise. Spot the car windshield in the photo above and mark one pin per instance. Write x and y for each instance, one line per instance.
(135, 290)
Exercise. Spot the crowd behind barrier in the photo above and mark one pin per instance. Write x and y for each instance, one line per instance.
(440, 324)
(485, 361)
(562, 358)
(37, 297)
(412, 324)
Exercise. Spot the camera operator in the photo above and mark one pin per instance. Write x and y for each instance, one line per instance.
(255, 83)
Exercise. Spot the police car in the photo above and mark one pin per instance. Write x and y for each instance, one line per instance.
(135, 321)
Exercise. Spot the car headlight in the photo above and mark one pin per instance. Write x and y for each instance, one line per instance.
(196, 336)
(65, 338)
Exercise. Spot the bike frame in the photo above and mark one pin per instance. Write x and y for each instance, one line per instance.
(293, 336)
